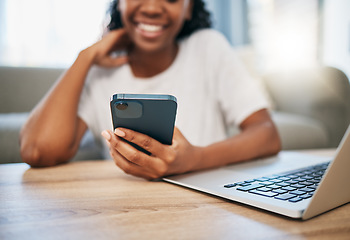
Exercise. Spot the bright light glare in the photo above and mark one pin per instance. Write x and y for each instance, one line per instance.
(284, 33)
(292, 48)
(49, 33)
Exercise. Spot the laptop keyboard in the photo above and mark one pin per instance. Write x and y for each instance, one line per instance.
(292, 186)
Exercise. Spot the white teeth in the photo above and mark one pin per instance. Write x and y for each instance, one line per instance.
(149, 28)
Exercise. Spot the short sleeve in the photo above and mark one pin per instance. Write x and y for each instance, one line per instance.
(239, 93)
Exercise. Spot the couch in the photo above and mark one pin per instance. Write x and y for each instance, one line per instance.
(311, 107)
(20, 90)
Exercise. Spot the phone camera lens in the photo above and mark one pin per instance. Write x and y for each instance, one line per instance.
(122, 106)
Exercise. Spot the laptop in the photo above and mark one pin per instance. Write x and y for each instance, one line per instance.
(292, 184)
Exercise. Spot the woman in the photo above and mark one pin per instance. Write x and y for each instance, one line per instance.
(168, 50)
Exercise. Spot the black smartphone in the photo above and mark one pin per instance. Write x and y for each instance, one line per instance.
(150, 114)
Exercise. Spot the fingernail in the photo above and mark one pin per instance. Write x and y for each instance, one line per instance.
(106, 135)
(119, 132)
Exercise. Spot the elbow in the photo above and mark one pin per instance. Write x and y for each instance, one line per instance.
(275, 144)
(31, 156)
(269, 142)
(35, 156)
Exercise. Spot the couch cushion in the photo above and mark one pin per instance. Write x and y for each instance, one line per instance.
(10, 125)
(300, 132)
(321, 93)
(21, 88)
(297, 131)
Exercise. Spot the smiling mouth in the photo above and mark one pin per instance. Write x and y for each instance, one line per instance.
(150, 27)
(150, 31)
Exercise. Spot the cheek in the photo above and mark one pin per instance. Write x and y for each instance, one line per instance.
(178, 24)
(127, 23)
(177, 20)
(125, 9)
(183, 12)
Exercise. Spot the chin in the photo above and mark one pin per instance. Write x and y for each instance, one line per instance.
(149, 47)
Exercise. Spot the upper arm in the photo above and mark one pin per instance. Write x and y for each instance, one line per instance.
(261, 126)
(259, 117)
(81, 128)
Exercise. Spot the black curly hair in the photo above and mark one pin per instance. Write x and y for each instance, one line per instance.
(200, 18)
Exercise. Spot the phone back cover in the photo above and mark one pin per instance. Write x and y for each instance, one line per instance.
(157, 119)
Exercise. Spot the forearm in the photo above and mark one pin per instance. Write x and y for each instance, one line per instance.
(51, 128)
(257, 141)
(59, 107)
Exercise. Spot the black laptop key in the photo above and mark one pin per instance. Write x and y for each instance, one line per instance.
(284, 178)
(266, 183)
(275, 180)
(230, 185)
(249, 181)
(296, 199)
(291, 182)
(285, 196)
(282, 184)
(297, 185)
(243, 184)
(307, 177)
(279, 191)
(292, 176)
(262, 179)
(263, 189)
(250, 187)
(289, 188)
(297, 192)
(307, 189)
(314, 181)
(299, 179)
(305, 196)
(306, 183)
(275, 186)
(266, 194)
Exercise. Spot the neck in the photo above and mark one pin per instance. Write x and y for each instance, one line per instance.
(148, 64)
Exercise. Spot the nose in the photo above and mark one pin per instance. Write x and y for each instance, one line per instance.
(151, 7)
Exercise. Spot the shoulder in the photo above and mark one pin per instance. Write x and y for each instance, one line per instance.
(207, 44)
(207, 34)
(205, 38)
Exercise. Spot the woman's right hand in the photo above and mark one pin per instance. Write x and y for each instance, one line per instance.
(112, 41)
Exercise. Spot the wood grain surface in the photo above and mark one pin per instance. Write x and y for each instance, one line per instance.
(96, 200)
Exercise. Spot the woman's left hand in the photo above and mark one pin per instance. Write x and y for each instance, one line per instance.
(180, 157)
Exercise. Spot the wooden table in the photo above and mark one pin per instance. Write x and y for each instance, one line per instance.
(96, 200)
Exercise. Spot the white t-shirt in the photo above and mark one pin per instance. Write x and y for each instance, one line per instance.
(213, 89)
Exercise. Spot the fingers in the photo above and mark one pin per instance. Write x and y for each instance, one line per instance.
(113, 41)
(179, 157)
(123, 149)
(116, 40)
(115, 36)
(131, 160)
(122, 162)
(162, 156)
(142, 140)
(127, 166)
